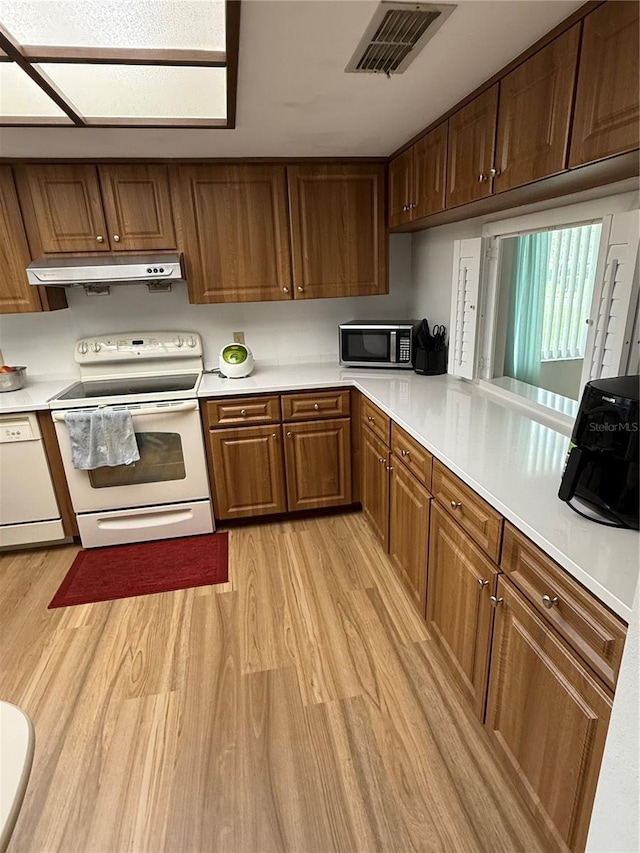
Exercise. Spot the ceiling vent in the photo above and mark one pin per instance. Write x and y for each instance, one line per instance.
(396, 35)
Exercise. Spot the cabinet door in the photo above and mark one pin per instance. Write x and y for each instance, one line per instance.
(374, 487)
(338, 231)
(409, 531)
(16, 295)
(459, 613)
(137, 204)
(534, 114)
(429, 171)
(472, 133)
(607, 113)
(318, 463)
(62, 208)
(236, 238)
(248, 471)
(548, 717)
(401, 186)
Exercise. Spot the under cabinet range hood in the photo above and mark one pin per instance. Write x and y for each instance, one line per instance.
(97, 274)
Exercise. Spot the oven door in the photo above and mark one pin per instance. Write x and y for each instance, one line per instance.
(172, 465)
(373, 347)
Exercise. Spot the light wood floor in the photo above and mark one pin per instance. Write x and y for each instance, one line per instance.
(300, 707)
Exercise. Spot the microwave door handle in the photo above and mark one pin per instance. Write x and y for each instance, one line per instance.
(393, 346)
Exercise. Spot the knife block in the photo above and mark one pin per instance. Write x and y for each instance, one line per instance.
(431, 362)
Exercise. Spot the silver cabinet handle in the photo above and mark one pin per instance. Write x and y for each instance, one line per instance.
(456, 504)
(316, 407)
(116, 238)
(550, 602)
(495, 601)
(274, 435)
(482, 583)
(389, 467)
(495, 173)
(481, 178)
(243, 412)
(405, 452)
(369, 418)
(380, 459)
(300, 289)
(289, 435)
(99, 239)
(285, 290)
(405, 207)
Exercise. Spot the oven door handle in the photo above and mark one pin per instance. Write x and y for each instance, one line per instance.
(136, 413)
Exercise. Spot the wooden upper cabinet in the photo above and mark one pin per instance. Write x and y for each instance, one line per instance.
(472, 133)
(548, 717)
(16, 295)
(137, 204)
(429, 172)
(318, 463)
(607, 115)
(62, 209)
(401, 188)
(417, 178)
(535, 113)
(235, 232)
(338, 230)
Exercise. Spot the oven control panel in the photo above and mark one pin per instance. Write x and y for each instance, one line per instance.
(132, 346)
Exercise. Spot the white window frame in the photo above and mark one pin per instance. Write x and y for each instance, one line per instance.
(585, 213)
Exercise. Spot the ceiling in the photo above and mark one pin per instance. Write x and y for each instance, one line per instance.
(294, 99)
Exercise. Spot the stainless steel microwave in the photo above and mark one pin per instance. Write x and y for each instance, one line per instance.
(377, 343)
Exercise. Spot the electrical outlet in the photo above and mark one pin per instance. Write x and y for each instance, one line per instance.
(238, 337)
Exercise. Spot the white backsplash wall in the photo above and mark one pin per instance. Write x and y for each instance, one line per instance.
(276, 331)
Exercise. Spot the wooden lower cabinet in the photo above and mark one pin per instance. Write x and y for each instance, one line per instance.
(409, 532)
(248, 472)
(548, 717)
(318, 463)
(374, 484)
(459, 609)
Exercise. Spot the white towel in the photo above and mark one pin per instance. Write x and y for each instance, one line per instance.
(102, 437)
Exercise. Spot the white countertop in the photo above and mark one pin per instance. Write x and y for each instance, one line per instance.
(34, 396)
(512, 461)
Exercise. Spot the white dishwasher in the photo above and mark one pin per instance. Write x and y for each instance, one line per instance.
(29, 511)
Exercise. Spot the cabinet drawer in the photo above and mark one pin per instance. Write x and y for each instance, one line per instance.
(418, 460)
(315, 405)
(243, 410)
(481, 521)
(580, 619)
(376, 420)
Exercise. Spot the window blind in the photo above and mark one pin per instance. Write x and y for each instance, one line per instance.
(573, 253)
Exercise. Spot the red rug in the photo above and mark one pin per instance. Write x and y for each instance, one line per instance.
(124, 571)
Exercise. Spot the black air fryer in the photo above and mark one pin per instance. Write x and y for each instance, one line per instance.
(602, 464)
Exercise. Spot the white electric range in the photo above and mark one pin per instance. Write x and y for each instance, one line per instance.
(155, 375)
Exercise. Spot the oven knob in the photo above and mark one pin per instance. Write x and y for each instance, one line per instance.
(83, 347)
(191, 341)
(96, 347)
(178, 342)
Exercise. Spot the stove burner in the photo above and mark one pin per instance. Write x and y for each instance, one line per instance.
(129, 385)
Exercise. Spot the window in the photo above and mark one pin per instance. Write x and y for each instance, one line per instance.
(544, 302)
(546, 286)
(170, 63)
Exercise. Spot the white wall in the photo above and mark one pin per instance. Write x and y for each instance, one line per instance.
(275, 331)
(432, 250)
(615, 827)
